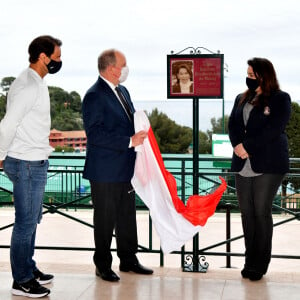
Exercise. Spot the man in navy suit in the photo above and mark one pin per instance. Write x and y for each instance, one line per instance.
(108, 120)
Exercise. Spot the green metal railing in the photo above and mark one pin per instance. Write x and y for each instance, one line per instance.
(66, 189)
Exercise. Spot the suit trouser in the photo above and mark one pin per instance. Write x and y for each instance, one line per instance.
(255, 196)
(114, 209)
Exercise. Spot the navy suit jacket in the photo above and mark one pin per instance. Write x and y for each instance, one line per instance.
(108, 130)
(264, 136)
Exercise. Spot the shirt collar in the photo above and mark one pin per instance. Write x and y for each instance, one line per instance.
(112, 86)
(35, 74)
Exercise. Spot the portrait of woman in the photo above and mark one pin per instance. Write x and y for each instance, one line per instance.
(183, 75)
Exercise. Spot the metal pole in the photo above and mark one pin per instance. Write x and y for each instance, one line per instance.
(195, 173)
(223, 112)
(194, 264)
(228, 235)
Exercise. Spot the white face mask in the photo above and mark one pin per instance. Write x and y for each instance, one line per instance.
(124, 74)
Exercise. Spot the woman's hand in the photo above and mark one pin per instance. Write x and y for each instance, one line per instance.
(240, 151)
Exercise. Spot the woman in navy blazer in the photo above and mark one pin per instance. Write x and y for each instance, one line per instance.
(257, 133)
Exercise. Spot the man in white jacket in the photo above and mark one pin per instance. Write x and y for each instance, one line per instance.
(24, 151)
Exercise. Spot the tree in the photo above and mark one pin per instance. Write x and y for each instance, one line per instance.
(2, 106)
(293, 131)
(60, 100)
(6, 83)
(204, 143)
(67, 121)
(217, 125)
(75, 102)
(63, 149)
(65, 109)
(293, 134)
(171, 137)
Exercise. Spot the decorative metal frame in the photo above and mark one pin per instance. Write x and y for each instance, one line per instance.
(199, 265)
(195, 50)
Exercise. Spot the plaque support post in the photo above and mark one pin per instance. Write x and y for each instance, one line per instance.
(195, 263)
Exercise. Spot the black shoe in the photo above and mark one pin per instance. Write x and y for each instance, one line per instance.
(108, 275)
(42, 278)
(252, 275)
(245, 273)
(31, 289)
(136, 268)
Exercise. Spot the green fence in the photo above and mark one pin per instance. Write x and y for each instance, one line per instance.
(67, 189)
(65, 184)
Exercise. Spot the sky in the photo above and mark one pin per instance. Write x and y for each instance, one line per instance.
(147, 31)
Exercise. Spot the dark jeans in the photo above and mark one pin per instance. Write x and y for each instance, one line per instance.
(114, 209)
(29, 179)
(255, 196)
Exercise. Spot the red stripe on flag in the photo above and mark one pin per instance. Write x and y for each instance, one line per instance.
(199, 207)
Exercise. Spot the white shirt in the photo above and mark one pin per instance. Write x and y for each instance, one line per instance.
(25, 128)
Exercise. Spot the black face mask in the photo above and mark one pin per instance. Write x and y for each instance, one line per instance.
(54, 66)
(252, 84)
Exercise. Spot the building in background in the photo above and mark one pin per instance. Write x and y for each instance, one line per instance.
(75, 139)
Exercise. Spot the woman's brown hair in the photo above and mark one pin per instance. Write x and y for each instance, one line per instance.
(266, 76)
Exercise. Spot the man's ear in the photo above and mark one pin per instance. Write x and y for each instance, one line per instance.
(43, 56)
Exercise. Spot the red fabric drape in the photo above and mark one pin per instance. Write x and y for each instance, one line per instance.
(198, 207)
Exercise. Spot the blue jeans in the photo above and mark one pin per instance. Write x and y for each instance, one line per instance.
(29, 179)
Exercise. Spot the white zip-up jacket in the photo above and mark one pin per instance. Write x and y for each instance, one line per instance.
(25, 128)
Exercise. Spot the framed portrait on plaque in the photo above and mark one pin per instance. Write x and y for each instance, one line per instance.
(195, 76)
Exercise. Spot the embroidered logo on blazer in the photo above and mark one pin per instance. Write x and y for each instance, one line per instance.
(267, 111)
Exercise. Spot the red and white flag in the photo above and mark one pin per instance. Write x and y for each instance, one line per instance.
(174, 222)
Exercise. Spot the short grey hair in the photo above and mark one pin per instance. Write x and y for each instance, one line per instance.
(106, 58)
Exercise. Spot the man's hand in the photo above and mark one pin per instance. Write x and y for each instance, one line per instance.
(1, 164)
(138, 138)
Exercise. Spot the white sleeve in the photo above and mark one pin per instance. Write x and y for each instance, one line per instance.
(19, 103)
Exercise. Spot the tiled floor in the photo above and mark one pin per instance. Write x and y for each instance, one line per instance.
(167, 283)
(75, 279)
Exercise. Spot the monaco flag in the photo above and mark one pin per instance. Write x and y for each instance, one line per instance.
(174, 222)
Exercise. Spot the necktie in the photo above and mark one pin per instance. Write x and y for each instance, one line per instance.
(124, 104)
